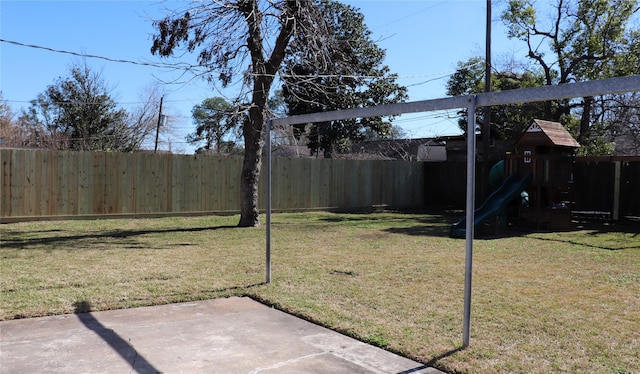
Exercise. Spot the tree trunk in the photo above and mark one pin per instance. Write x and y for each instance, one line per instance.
(264, 70)
(252, 130)
(585, 120)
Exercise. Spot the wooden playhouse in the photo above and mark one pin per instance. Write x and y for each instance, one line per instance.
(547, 151)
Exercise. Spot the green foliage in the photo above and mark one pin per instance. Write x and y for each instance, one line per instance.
(596, 144)
(214, 119)
(580, 40)
(520, 17)
(596, 147)
(507, 121)
(356, 77)
(78, 113)
(248, 38)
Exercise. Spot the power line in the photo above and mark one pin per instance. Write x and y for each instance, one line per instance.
(78, 102)
(162, 66)
(410, 15)
(185, 66)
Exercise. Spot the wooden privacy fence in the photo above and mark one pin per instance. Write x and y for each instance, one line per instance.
(609, 185)
(38, 183)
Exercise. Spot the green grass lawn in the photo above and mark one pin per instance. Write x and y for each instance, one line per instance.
(542, 302)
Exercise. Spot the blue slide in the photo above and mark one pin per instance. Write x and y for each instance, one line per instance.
(495, 205)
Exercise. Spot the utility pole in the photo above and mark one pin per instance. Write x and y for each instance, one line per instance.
(158, 127)
(486, 125)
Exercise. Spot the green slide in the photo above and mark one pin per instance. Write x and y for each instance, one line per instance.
(495, 205)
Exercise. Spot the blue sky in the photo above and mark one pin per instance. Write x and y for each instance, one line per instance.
(424, 41)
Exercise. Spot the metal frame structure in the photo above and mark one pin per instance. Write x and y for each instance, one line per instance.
(564, 91)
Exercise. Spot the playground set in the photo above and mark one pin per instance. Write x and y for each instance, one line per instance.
(532, 185)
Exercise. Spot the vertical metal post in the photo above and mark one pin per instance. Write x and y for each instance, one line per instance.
(469, 230)
(268, 223)
(486, 126)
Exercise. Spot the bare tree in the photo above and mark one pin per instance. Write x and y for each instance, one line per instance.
(621, 114)
(142, 122)
(11, 133)
(249, 39)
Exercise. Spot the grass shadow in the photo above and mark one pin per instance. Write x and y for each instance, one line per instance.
(71, 241)
(575, 242)
(571, 235)
(487, 231)
(414, 222)
(601, 227)
(420, 230)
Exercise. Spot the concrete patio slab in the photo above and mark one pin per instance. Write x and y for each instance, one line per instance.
(234, 335)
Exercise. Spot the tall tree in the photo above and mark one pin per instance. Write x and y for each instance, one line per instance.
(78, 113)
(581, 40)
(507, 121)
(248, 38)
(356, 78)
(214, 119)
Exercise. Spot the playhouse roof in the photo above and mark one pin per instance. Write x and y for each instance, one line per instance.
(554, 132)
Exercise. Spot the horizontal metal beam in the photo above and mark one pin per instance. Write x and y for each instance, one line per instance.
(377, 111)
(524, 95)
(561, 91)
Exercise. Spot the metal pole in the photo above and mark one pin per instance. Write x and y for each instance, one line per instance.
(522, 95)
(471, 184)
(268, 173)
(486, 126)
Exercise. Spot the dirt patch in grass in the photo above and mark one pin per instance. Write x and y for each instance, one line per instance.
(542, 302)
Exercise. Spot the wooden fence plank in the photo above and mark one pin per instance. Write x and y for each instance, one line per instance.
(176, 180)
(630, 189)
(325, 183)
(42, 181)
(16, 179)
(312, 174)
(86, 170)
(31, 189)
(5, 181)
(54, 183)
(71, 182)
(598, 175)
